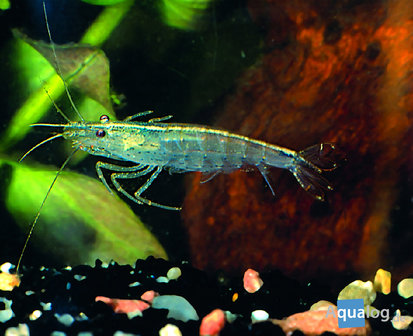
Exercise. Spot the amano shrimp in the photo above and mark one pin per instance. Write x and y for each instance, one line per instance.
(155, 145)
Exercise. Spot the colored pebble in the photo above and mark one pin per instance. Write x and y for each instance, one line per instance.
(6, 313)
(79, 277)
(58, 333)
(212, 323)
(382, 281)
(322, 305)
(178, 307)
(174, 273)
(148, 296)
(259, 316)
(313, 323)
(35, 315)
(405, 288)
(235, 297)
(170, 330)
(359, 290)
(401, 322)
(134, 284)
(65, 319)
(21, 330)
(46, 306)
(133, 307)
(162, 279)
(8, 281)
(252, 281)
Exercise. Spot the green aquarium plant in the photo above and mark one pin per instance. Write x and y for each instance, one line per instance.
(81, 221)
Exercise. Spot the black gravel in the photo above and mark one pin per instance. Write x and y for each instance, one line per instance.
(73, 291)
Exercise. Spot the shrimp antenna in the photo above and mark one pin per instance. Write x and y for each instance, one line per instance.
(59, 72)
(57, 107)
(41, 207)
(39, 144)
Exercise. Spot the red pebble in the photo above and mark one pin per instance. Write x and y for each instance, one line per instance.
(213, 323)
(252, 281)
(123, 305)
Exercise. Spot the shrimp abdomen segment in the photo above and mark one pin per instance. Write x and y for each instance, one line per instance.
(207, 150)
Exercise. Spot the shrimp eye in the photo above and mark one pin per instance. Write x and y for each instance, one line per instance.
(100, 133)
(104, 118)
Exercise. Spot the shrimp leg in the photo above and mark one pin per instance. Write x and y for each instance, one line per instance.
(116, 168)
(137, 115)
(138, 199)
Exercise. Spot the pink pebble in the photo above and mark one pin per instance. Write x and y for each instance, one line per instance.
(213, 323)
(148, 296)
(123, 305)
(252, 281)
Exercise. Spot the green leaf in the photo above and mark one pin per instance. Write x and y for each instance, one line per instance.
(4, 4)
(39, 102)
(103, 2)
(85, 67)
(80, 221)
(184, 14)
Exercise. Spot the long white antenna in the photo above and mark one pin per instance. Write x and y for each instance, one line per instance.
(59, 72)
(40, 209)
(39, 144)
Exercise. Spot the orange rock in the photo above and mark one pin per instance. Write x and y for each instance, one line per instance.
(313, 323)
(213, 323)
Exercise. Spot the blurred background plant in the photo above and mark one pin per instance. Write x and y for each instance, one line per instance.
(174, 57)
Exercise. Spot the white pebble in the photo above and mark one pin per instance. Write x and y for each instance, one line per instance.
(5, 268)
(259, 316)
(170, 330)
(35, 315)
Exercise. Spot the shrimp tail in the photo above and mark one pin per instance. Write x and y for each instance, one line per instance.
(310, 163)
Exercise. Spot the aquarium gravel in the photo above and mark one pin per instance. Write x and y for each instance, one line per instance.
(172, 299)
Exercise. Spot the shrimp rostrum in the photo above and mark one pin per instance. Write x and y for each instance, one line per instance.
(155, 145)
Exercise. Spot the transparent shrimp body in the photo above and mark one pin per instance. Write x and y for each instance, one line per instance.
(155, 146)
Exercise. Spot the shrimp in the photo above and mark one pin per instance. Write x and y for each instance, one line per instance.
(154, 146)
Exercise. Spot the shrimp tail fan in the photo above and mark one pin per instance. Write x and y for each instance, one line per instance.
(309, 166)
